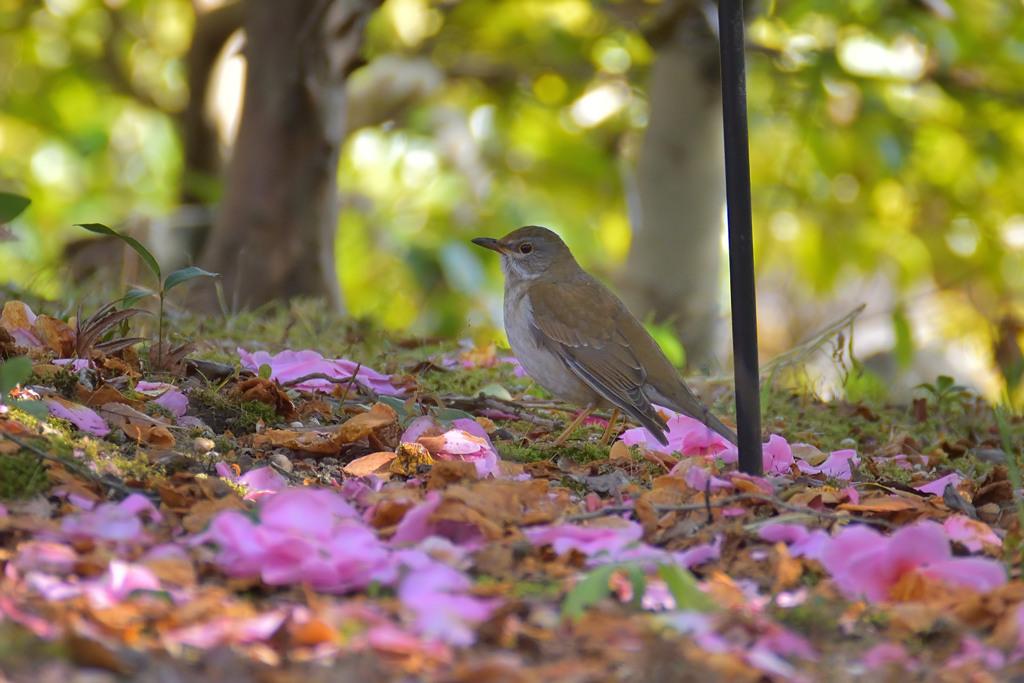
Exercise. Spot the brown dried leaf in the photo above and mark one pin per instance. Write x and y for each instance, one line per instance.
(56, 334)
(265, 391)
(375, 463)
(363, 425)
(308, 441)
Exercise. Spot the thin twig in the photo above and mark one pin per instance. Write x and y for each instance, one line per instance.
(730, 500)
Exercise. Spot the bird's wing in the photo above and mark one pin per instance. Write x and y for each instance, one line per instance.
(603, 358)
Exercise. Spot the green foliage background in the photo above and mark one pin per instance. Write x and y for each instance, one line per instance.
(886, 140)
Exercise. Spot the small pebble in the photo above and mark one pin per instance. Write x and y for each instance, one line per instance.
(281, 462)
(203, 445)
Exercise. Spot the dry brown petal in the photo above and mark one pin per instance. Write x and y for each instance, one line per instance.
(375, 463)
(363, 425)
(56, 334)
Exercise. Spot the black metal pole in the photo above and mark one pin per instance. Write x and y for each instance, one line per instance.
(741, 248)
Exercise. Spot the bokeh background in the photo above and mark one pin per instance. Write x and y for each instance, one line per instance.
(887, 158)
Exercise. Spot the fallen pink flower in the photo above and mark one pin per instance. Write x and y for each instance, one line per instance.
(258, 482)
(839, 465)
(166, 395)
(970, 533)
(865, 564)
(802, 541)
(120, 581)
(45, 556)
(291, 365)
(226, 631)
(685, 435)
(456, 444)
(699, 478)
(75, 364)
(118, 522)
(937, 487)
(588, 540)
(435, 594)
(417, 526)
(84, 418)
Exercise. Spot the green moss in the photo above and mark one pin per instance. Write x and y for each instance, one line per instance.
(544, 590)
(134, 463)
(252, 414)
(521, 453)
(22, 475)
(814, 616)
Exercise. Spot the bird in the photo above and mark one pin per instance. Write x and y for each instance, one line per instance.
(577, 339)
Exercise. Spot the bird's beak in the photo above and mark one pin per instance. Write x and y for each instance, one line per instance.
(490, 243)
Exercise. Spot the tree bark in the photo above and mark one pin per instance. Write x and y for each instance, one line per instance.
(273, 237)
(673, 266)
(199, 137)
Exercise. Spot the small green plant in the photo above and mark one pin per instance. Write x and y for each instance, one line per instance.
(946, 391)
(595, 587)
(11, 206)
(13, 372)
(22, 474)
(252, 414)
(165, 285)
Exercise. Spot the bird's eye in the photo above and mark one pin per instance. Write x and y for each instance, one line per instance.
(525, 248)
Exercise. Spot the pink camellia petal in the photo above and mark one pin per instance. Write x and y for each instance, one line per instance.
(685, 435)
(227, 631)
(937, 487)
(777, 456)
(460, 445)
(416, 526)
(118, 522)
(699, 479)
(80, 416)
(258, 482)
(918, 544)
(864, 563)
(44, 556)
(802, 542)
(970, 533)
(166, 395)
(588, 540)
(434, 593)
(697, 555)
(299, 509)
(839, 464)
(121, 580)
(75, 364)
(979, 573)
(291, 365)
(424, 424)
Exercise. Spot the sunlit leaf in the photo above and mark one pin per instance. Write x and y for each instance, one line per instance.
(684, 589)
(11, 206)
(589, 591)
(143, 253)
(184, 275)
(13, 372)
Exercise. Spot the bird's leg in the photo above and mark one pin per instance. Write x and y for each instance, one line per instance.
(609, 429)
(575, 423)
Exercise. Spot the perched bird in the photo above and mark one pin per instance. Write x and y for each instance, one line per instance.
(578, 340)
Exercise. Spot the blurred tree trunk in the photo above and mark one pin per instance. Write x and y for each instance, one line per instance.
(199, 135)
(673, 269)
(273, 237)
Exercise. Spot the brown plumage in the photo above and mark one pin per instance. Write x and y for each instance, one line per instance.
(578, 340)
